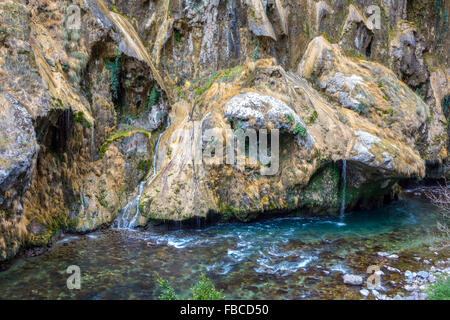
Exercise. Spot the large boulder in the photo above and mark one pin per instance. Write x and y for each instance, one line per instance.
(400, 117)
(18, 151)
(406, 54)
(350, 109)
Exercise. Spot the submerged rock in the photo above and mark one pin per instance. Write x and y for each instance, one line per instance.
(364, 292)
(352, 279)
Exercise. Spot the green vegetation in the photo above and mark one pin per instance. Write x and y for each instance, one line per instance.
(390, 112)
(177, 36)
(79, 56)
(102, 198)
(196, 4)
(256, 51)
(144, 166)
(3, 32)
(79, 117)
(61, 222)
(128, 118)
(313, 118)
(439, 290)
(205, 290)
(322, 190)
(54, 224)
(221, 76)
(362, 108)
(65, 67)
(290, 119)
(419, 93)
(300, 130)
(119, 135)
(202, 290)
(73, 77)
(167, 291)
(200, 90)
(153, 98)
(114, 74)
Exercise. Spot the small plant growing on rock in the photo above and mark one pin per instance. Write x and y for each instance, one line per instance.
(300, 130)
(177, 36)
(79, 117)
(362, 108)
(153, 98)
(65, 67)
(102, 198)
(290, 119)
(390, 112)
(256, 51)
(313, 118)
(114, 74)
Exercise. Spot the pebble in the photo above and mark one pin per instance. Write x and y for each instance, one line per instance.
(426, 261)
(378, 295)
(432, 278)
(387, 255)
(352, 279)
(392, 269)
(410, 288)
(383, 254)
(423, 274)
(364, 292)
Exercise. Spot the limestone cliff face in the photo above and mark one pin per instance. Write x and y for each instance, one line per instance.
(87, 88)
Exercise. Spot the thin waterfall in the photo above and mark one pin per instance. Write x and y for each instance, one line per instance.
(92, 141)
(344, 184)
(123, 221)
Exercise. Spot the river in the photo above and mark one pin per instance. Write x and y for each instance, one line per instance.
(284, 258)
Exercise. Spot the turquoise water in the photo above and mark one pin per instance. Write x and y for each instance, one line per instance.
(287, 258)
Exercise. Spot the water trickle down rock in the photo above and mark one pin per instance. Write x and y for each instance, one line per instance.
(344, 185)
(127, 219)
